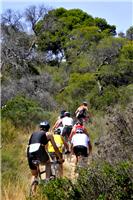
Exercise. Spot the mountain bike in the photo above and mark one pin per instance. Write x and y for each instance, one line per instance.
(55, 167)
(39, 180)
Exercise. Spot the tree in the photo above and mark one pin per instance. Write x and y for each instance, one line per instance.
(16, 44)
(104, 26)
(129, 33)
(62, 28)
(33, 14)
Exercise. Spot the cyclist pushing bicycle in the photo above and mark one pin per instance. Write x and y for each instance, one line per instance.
(37, 150)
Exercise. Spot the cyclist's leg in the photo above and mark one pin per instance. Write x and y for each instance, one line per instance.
(83, 155)
(48, 169)
(34, 181)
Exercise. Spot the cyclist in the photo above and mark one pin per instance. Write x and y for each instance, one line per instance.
(36, 150)
(80, 144)
(60, 142)
(58, 123)
(82, 110)
(78, 125)
(67, 123)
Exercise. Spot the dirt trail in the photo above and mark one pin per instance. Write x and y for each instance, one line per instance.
(69, 167)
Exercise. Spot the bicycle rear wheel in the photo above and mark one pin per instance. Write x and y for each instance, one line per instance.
(33, 188)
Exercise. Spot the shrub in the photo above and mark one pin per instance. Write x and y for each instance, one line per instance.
(103, 181)
(58, 189)
(109, 97)
(22, 111)
(8, 133)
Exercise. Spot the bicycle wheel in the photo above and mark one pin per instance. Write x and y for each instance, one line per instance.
(33, 188)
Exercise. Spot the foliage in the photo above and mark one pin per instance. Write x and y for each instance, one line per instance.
(109, 97)
(100, 181)
(127, 51)
(22, 111)
(9, 133)
(69, 58)
(103, 181)
(60, 29)
(57, 189)
(129, 33)
(79, 86)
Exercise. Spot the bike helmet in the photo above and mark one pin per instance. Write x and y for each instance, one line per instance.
(57, 131)
(45, 125)
(79, 130)
(85, 103)
(67, 114)
(62, 114)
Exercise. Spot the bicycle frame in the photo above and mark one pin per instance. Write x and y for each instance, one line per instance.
(39, 179)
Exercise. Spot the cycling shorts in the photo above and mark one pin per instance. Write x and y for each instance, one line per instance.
(80, 150)
(66, 131)
(40, 155)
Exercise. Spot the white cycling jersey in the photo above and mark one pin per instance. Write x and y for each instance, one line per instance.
(80, 139)
(67, 121)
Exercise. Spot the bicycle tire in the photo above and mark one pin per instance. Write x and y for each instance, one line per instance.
(34, 183)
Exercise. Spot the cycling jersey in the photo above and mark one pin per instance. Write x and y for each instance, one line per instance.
(75, 127)
(36, 148)
(38, 137)
(67, 121)
(80, 139)
(59, 143)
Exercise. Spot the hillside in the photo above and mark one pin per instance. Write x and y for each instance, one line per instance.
(69, 57)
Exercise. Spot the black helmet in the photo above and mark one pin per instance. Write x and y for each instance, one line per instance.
(57, 131)
(79, 130)
(62, 114)
(45, 125)
(67, 114)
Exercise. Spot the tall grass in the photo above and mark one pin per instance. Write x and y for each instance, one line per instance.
(14, 163)
(12, 191)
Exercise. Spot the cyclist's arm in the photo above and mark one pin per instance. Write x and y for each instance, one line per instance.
(56, 125)
(77, 110)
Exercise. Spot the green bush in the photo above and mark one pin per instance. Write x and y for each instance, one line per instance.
(109, 97)
(8, 133)
(59, 189)
(103, 181)
(22, 111)
(77, 90)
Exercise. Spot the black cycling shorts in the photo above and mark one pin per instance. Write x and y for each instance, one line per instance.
(80, 150)
(66, 131)
(40, 155)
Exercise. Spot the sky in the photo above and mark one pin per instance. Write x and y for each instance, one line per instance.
(116, 12)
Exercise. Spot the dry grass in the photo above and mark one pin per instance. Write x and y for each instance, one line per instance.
(13, 192)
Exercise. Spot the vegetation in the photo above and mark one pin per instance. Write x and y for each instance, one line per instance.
(68, 57)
